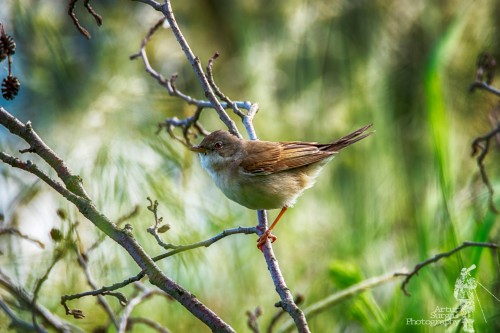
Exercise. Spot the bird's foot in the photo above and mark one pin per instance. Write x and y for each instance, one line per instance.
(262, 239)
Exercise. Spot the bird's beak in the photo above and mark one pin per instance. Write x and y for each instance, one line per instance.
(198, 149)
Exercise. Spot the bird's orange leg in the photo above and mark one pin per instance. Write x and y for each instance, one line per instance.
(267, 234)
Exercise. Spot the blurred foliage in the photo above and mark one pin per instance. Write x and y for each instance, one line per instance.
(318, 69)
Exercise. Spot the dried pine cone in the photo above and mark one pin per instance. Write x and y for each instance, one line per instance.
(7, 46)
(10, 87)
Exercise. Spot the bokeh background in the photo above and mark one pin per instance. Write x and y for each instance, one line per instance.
(318, 69)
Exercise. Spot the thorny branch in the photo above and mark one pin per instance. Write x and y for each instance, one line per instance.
(438, 257)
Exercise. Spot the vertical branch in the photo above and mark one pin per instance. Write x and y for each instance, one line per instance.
(287, 302)
(195, 63)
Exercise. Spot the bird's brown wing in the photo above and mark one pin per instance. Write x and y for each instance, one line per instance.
(271, 157)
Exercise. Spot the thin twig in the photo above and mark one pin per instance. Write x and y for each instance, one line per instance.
(285, 295)
(326, 303)
(195, 63)
(71, 13)
(76, 194)
(216, 89)
(109, 290)
(207, 242)
(483, 85)
(14, 231)
(482, 144)
(118, 223)
(76, 22)
(16, 322)
(274, 320)
(58, 255)
(158, 227)
(148, 322)
(252, 321)
(485, 73)
(438, 257)
(97, 17)
(178, 249)
(287, 302)
(25, 299)
(145, 294)
(82, 261)
(170, 85)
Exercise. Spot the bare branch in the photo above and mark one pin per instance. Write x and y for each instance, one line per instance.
(148, 322)
(26, 132)
(25, 299)
(252, 321)
(158, 227)
(480, 147)
(97, 17)
(119, 222)
(145, 294)
(438, 257)
(177, 249)
(484, 86)
(82, 261)
(485, 73)
(15, 321)
(151, 3)
(16, 232)
(71, 13)
(76, 194)
(58, 255)
(185, 124)
(208, 242)
(274, 320)
(216, 89)
(195, 63)
(287, 302)
(340, 296)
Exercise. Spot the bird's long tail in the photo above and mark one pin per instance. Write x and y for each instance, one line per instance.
(349, 139)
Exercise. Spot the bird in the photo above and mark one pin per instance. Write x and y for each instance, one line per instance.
(263, 175)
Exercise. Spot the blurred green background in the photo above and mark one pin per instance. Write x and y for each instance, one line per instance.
(318, 69)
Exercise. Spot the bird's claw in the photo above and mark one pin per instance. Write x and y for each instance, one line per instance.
(265, 236)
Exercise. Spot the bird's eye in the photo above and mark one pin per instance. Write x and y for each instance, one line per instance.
(218, 145)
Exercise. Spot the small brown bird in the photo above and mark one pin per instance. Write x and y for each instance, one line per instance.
(267, 175)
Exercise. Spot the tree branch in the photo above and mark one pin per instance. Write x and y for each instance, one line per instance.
(287, 302)
(340, 296)
(13, 231)
(170, 86)
(438, 257)
(480, 147)
(76, 194)
(144, 294)
(25, 299)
